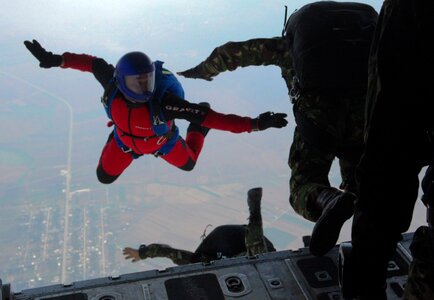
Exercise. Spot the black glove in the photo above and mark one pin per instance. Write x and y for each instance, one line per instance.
(196, 73)
(46, 59)
(269, 119)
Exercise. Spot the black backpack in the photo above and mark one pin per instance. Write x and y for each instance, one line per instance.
(330, 42)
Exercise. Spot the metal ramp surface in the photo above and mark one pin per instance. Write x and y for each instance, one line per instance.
(278, 275)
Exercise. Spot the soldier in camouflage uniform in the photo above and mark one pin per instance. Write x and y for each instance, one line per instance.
(223, 242)
(398, 144)
(329, 126)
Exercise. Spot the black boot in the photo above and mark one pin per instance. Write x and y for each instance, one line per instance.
(197, 127)
(337, 207)
(254, 197)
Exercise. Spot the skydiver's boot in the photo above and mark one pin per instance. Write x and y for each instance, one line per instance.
(336, 207)
(193, 127)
(254, 240)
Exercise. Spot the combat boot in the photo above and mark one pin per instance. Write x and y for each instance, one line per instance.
(336, 207)
(193, 127)
(254, 197)
(254, 240)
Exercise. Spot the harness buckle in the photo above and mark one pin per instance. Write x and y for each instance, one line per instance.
(157, 153)
(157, 121)
(126, 150)
(161, 139)
(130, 151)
(295, 91)
(294, 94)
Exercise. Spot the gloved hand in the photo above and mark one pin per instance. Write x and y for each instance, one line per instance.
(196, 73)
(46, 59)
(269, 119)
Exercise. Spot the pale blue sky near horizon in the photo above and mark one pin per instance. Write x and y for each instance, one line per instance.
(171, 30)
(179, 32)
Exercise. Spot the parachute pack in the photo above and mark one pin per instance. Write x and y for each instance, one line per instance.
(330, 43)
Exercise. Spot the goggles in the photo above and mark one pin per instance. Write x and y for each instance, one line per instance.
(142, 85)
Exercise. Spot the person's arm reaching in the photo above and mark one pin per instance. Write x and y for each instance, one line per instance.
(254, 52)
(178, 256)
(102, 71)
(176, 108)
(46, 59)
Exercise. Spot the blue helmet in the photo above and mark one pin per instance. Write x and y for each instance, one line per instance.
(135, 76)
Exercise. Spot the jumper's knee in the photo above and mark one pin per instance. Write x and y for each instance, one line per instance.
(189, 165)
(103, 177)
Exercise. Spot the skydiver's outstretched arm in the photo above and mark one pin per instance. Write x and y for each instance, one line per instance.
(102, 71)
(254, 52)
(178, 256)
(46, 59)
(176, 108)
(132, 253)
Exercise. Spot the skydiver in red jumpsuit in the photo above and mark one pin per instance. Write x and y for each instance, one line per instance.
(143, 99)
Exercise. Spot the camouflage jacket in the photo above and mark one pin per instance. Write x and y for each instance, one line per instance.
(254, 52)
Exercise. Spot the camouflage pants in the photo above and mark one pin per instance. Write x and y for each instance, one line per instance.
(255, 241)
(420, 283)
(328, 127)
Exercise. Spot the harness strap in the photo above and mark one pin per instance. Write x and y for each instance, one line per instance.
(170, 137)
(108, 96)
(123, 147)
(138, 137)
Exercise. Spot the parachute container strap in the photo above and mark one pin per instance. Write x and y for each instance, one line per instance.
(124, 147)
(159, 124)
(285, 20)
(108, 97)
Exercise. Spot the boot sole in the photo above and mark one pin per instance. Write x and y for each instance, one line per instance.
(326, 231)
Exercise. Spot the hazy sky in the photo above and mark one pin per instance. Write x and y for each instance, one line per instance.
(184, 31)
(180, 33)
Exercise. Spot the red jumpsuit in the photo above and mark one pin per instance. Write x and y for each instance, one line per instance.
(132, 122)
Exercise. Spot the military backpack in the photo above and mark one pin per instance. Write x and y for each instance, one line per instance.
(330, 42)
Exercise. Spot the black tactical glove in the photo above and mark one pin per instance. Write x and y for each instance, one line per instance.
(196, 73)
(269, 119)
(46, 59)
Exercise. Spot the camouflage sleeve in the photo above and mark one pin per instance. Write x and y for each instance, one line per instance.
(254, 52)
(421, 273)
(178, 256)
